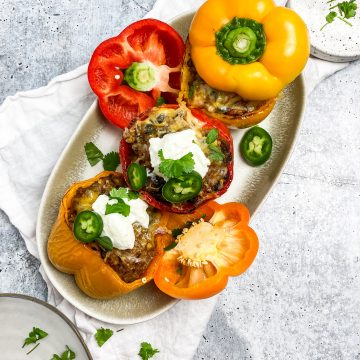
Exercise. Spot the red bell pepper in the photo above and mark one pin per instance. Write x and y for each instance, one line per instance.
(131, 71)
(125, 152)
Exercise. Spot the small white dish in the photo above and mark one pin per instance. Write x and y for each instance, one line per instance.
(20, 313)
(337, 42)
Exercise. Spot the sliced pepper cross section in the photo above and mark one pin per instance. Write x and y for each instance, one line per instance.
(208, 252)
(131, 71)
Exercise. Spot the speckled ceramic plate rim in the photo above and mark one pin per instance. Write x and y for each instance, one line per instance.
(48, 188)
(54, 310)
(319, 50)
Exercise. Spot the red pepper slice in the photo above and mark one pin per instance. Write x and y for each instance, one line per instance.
(125, 152)
(147, 41)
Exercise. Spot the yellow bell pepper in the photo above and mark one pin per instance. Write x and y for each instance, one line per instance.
(250, 47)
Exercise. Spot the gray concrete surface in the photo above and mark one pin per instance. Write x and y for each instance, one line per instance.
(300, 300)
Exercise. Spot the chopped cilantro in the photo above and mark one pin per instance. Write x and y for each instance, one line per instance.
(212, 136)
(35, 335)
(119, 208)
(215, 153)
(111, 161)
(175, 168)
(93, 153)
(123, 193)
(346, 10)
(147, 351)
(103, 335)
(68, 354)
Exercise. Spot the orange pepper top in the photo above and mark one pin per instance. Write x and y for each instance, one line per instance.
(250, 47)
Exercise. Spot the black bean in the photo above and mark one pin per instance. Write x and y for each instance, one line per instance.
(149, 128)
(160, 119)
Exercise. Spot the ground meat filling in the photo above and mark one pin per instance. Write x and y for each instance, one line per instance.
(203, 96)
(164, 121)
(129, 264)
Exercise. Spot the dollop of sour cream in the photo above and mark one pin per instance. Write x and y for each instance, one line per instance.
(119, 227)
(175, 146)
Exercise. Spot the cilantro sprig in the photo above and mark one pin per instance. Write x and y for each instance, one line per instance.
(94, 155)
(103, 335)
(123, 193)
(211, 136)
(119, 208)
(147, 351)
(68, 354)
(342, 11)
(176, 168)
(34, 336)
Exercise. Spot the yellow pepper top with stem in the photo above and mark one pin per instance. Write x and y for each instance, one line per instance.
(250, 47)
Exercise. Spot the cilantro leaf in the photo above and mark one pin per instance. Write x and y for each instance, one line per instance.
(123, 193)
(175, 168)
(68, 354)
(103, 335)
(212, 136)
(120, 193)
(35, 335)
(330, 17)
(111, 161)
(160, 101)
(347, 9)
(215, 153)
(93, 153)
(132, 195)
(147, 351)
(119, 208)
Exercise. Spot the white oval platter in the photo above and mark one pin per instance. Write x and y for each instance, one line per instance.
(250, 186)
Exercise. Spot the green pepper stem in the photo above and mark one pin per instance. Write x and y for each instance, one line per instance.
(241, 41)
(141, 76)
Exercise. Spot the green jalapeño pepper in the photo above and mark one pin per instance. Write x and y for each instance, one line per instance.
(183, 188)
(136, 174)
(256, 146)
(88, 226)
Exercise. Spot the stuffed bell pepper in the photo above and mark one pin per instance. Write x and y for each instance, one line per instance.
(177, 158)
(106, 236)
(241, 54)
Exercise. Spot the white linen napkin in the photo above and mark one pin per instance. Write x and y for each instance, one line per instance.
(34, 128)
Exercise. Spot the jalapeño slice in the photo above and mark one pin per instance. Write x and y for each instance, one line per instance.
(136, 174)
(88, 226)
(256, 146)
(183, 188)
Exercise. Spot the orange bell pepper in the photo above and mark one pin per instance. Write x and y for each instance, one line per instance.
(250, 47)
(208, 252)
(93, 276)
